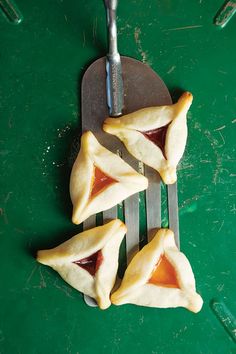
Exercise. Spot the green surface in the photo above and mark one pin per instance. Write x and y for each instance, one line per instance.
(41, 64)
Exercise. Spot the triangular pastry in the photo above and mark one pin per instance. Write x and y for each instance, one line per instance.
(155, 135)
(89, 260)
(159, 276)
(100, 179)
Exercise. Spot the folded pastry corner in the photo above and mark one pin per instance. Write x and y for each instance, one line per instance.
(159, 276)
(100, 179)
(155, 135)
(89, 261)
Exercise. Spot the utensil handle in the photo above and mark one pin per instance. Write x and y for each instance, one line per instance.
(11, 11)
(115, 95)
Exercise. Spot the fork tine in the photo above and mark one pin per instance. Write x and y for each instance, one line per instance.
(90, 301)
(110, 213)
(132, 222)
(131, 212)
(89, 224)
(153, 201)
(173, 211)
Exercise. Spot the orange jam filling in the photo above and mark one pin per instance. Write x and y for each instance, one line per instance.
(157, 136)
(100, 181)
(164, 274)
(91, 263)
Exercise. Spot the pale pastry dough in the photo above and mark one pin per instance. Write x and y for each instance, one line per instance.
(123, 180)
(130, 129)
(104, 239)
(137, 287)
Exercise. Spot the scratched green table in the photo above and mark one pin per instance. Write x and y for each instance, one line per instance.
(42, 60)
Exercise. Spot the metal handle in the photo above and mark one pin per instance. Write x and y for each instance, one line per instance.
(115, 94)
(11, 11)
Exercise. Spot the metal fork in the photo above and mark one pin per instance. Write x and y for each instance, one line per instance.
(109, 70)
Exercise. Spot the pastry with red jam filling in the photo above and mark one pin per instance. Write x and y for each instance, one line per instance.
(155, 135)
(159, 276)
(89, 261)
(100, 179)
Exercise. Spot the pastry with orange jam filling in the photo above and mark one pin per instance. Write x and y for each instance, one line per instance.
(89, 260)
(100, 179)
(100, 182)
(159, 276)
(155, 135)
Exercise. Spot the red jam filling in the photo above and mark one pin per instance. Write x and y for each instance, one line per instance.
(164, 274)
(157, 136)
(100, 181)
(91, 263)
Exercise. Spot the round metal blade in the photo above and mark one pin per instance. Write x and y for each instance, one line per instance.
(142, 88)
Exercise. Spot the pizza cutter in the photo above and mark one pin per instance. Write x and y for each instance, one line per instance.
(116, 85)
